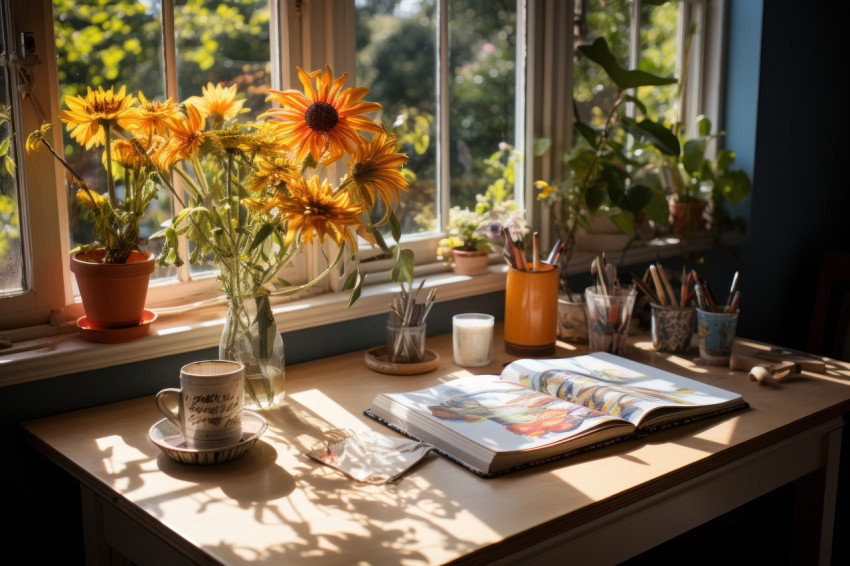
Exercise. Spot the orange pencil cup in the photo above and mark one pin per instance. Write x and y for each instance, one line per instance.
(531, 312)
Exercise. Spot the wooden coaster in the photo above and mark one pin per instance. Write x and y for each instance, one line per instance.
(377, 359)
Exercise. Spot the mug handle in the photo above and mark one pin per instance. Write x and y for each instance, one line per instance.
(176, 418)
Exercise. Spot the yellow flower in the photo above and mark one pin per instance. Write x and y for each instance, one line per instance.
(125, 153)
(545, 189)
(218, 104)
(152, 116)
(268, 139)
(324, 120)
(272, 172)
(90, 199)
(87, 117)
(35, 138)
(186, 138)
(375, 170)
(312, 206)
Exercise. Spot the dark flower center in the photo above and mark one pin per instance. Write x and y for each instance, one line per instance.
(321, 116)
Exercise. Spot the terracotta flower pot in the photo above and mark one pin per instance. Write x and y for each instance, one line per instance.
(687, 216)
(113, 295)
(469, 263)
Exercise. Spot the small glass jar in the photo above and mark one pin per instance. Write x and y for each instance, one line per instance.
(405, 344)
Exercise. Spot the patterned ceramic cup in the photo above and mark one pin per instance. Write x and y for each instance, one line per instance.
(716, 335)
(672, 328)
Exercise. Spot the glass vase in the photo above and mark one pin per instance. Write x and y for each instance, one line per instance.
(250, 336)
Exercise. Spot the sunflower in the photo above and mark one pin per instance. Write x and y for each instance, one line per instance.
(545, 189)
(312, 206)
(273, 172)
(88, 117)
(91, 199)
(218, 104)
(187, 136)
(324, 120)
(127, 153)
(151, 116)
(375, 171)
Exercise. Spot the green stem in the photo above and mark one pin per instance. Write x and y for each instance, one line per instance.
(110, 180)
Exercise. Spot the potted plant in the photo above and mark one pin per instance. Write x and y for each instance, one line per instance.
(113, 271)
(697, 182)
(602, 176)
(466, 248)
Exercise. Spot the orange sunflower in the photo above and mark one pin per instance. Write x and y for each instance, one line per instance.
(186, 137)
(88, 116)
(313, 206)
(218, 104)
(376, 171)
(153, 116)
(324, 120)
(273, 172)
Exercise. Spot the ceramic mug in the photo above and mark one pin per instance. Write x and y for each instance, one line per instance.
(531, 311)
(208, 406)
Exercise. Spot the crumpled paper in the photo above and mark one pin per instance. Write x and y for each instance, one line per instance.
(369, 457)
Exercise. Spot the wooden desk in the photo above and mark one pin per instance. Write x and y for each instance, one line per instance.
(275, 505)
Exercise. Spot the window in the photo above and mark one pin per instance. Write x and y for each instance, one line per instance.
(461, 82)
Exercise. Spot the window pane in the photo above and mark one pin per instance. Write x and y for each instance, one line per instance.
(12, 280)
(658, 45)
(482, 98)
(108, 44)
(593, 91)
(397, 60)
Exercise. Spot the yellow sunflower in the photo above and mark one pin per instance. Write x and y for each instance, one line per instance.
(91, 199)
(312, 206)
(152, 116)
(218, 104)
(273, 172)
(186, 138)
(324, 120)
(127, 154)
(545, 189)
(87, 116)
(375, 171)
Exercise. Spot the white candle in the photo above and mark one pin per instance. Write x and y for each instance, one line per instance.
(472, 339)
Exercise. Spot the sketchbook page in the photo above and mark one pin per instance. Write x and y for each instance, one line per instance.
(614, 385)
(493, 414)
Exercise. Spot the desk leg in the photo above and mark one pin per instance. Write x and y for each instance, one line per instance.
(816, 494)
(97, 551)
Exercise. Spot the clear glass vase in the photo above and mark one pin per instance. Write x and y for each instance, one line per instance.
(250, 336)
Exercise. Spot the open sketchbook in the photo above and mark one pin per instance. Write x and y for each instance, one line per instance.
(539, 410)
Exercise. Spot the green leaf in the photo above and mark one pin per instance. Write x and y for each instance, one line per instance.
(655, 133)
(704, 126)
(724, 159)
(395, 227)
(355, 294)
(350, 281)
(625, 221)
(735, 186)
(594, 198)
(261, 235)
(693, 156)
(283, 282)
(636, 198)
(404, 266)
(541, 146)
(658, 210)
(588, 133)
(634, 100)
(600, 53)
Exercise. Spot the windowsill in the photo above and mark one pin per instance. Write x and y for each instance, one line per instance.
(180, 332)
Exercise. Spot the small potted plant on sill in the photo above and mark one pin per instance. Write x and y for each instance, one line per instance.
(113, 271)
(603, 176)
(698, 184)
(466, 248)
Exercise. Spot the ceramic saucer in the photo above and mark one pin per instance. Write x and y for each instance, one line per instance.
(378, 359)
(95, 333)
(168, 438)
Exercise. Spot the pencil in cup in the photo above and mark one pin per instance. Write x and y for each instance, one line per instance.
(405, 344)
(608, 319)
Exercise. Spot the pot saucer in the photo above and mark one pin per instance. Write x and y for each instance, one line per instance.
(378, 359)
(94, 333)
(168, 438)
